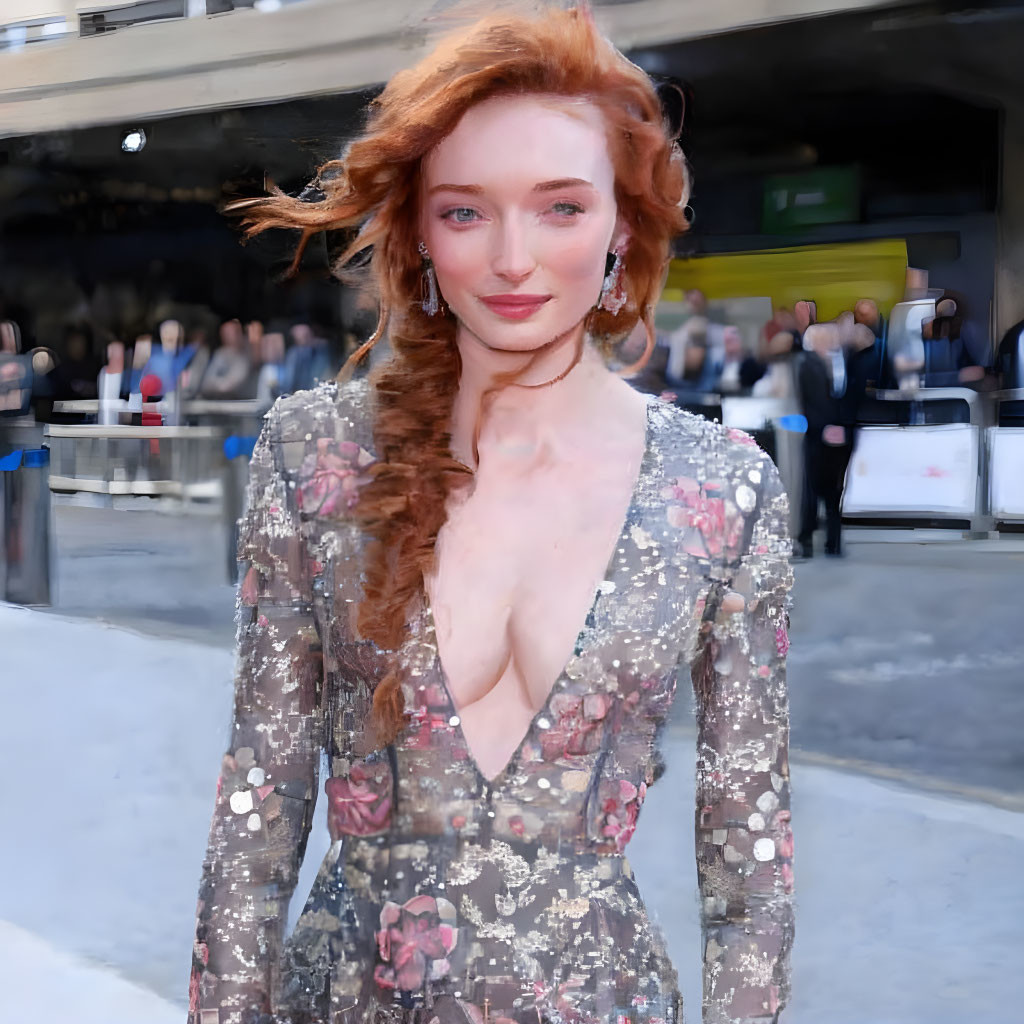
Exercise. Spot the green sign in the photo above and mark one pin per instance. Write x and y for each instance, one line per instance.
(825, 195)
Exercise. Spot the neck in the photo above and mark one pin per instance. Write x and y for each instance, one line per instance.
(530, 413)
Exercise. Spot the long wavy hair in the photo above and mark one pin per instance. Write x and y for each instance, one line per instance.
(374, 189)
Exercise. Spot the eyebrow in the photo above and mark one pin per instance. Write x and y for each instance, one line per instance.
(544, 186)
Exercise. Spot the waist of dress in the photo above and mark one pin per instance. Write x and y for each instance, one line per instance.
(604, 859)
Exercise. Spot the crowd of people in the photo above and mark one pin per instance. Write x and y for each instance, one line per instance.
(703, 356)
(250, 361)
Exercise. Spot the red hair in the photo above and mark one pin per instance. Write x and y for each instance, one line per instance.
(375, 188)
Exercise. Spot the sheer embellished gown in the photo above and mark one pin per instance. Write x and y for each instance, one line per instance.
(450, 897)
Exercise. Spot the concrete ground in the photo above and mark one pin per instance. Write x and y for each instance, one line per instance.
(907, 781)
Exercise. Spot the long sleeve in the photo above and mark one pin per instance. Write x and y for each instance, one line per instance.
(744, 841)
(269, 776)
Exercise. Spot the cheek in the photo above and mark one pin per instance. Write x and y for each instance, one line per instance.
(459, 260)
(579, 254)
(579, 260)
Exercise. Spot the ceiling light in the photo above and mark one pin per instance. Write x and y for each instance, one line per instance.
(133, 140)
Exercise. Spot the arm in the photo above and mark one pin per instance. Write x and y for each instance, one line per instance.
(268, 782)
(743, 839)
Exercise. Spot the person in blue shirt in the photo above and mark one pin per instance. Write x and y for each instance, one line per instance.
(169, 359)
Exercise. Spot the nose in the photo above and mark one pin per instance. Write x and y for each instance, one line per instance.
(512, 260)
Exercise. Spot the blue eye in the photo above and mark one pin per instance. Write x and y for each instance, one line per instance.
(460, 214)
(567, 209)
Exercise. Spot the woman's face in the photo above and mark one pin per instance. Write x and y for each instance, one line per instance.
(518, 213)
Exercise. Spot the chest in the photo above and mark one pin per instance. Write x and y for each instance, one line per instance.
(518, 564)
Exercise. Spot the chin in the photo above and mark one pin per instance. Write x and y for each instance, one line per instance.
(524, 336)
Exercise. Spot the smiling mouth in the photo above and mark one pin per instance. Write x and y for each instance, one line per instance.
(514, 307)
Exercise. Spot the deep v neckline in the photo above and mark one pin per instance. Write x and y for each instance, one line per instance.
(623, 535)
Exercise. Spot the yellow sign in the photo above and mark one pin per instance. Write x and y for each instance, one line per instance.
(835, 276)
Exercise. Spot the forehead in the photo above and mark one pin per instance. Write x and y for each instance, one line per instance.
(523, 140)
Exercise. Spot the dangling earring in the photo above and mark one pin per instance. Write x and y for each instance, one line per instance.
(613, 291)
(429, 295)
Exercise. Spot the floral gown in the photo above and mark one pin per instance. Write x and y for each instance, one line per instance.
(450, 898)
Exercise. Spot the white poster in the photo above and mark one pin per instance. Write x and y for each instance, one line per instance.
(1006, 472)
(927, 469)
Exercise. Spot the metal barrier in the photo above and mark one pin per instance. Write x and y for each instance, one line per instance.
(167, 407)
(187, 463)
(1006, 460)
(921, 470)
(177, 462)
(26, 526)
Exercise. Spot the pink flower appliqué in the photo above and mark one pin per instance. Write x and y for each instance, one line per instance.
(621, 811)
(712, 524)
(575, 729)
(414, 942)
(782, 641)
(359, 805)
(784, 849)
(329, 478)
(200, 956)
(741, 437)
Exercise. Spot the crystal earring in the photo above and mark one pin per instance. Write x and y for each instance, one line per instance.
(429, 295)
(613, 291)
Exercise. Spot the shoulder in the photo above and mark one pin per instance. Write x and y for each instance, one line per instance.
(320, 441)
(341, 412)
(700, 447)
(715, 483)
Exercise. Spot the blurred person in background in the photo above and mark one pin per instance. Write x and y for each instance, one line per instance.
(269, 384)
(197, 339)
(953, 356)
(779, 343)
(714, 331)
(16, 377)
(690, 371)
(254, 336)
(696, 347)
(879, 372)
(307, 361)
(140, 355)
(75, 375)
(44, 362)
(829, 401)
(110, 383)
(727, 371)
(422, 548)
(229, 373)
(738, 371)
(10, 338)
(805, 313)
(170, 358)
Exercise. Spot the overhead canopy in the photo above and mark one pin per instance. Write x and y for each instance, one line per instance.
(310, 48)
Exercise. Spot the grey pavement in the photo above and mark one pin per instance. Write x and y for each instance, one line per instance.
(911, 655)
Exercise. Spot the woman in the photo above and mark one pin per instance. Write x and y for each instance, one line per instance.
(473, 580)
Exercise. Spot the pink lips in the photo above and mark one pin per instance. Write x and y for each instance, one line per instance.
(514, 307)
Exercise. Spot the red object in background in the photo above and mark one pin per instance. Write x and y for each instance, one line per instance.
(151, 385)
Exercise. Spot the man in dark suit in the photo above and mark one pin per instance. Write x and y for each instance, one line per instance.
(831, 380)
